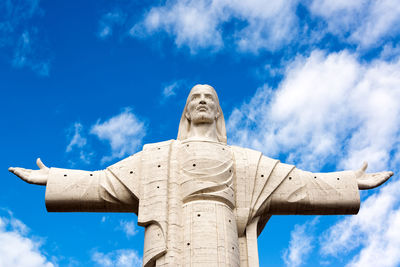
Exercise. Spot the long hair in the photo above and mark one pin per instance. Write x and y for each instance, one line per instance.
(185, 124)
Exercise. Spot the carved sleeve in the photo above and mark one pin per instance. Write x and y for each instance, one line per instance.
(302, 192)
(115, 189)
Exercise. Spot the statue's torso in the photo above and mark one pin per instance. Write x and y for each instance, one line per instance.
(206, 171)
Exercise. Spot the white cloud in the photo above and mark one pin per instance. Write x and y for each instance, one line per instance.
(77, 139)
(193, 23)
(390, 52)
(363, 22)
(16, 248)
(270, 25)
(25, 54)
(109, 21)
(375, 229)
(301, 244)
(202, 24)
(333, 109)
(328, 109)
(20, 38)
(124, 132)
(117, 258)
(128, 227)
(255, 25)
(170, 89)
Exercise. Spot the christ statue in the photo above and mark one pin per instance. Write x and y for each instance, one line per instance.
(201, 201)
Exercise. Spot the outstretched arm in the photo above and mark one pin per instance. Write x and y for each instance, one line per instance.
(302, 192)
(115, 189)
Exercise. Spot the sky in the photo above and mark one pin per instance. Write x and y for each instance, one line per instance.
(85, 84)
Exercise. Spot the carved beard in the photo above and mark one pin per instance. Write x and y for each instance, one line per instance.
(202, 117)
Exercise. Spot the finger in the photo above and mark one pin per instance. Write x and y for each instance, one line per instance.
(40, 164)
(378, 179)
(388, 175)
(364, 166)
(11, 169)
(20, 173)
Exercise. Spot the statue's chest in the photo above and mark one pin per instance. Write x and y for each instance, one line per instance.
(204, 158)
(206, 170)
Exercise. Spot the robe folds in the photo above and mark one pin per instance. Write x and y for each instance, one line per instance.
(148, 184)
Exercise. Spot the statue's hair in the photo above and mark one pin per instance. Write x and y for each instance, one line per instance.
(184, 124)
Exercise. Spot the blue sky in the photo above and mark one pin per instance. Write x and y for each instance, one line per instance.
(85, 84)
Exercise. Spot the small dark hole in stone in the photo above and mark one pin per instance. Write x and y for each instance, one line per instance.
(187, 145)
(290, 178)
(159, 166)
(223, 148)
(131, 172)
(158, 186)
(65, 175)
(233, 248)
(198, 215)
(158, 148)
(338, 178)
(91, 174)
(229, 220)
(188, 244)
(262, 175)
(230, 170)
(194, 165)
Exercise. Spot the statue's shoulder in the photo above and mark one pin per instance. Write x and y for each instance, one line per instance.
(245, 151)
(132, 159)
(159, 145)
(249, 153)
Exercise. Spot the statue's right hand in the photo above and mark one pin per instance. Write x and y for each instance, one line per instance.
(32, 176)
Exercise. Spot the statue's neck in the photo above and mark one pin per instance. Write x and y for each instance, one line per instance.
(203, 131)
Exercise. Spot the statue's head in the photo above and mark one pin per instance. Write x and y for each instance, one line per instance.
(202, 106)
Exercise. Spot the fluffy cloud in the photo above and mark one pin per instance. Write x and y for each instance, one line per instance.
(300, 245)
(203, 24)
(124, 132)
(16, 248)
(128, 227)
(375, 229)
(257, 25)
(329, 108)
(118, 258)
(365, 23)
(20, 38)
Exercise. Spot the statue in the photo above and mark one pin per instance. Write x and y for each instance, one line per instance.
(202, 202)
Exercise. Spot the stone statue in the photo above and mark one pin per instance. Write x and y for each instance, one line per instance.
(202, 202)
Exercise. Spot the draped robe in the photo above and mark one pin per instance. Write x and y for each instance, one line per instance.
(201, 202)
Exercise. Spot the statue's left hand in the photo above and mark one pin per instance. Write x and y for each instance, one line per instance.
(370, 180)
(38, 177)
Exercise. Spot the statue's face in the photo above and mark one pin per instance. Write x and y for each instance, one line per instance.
(202, 105)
